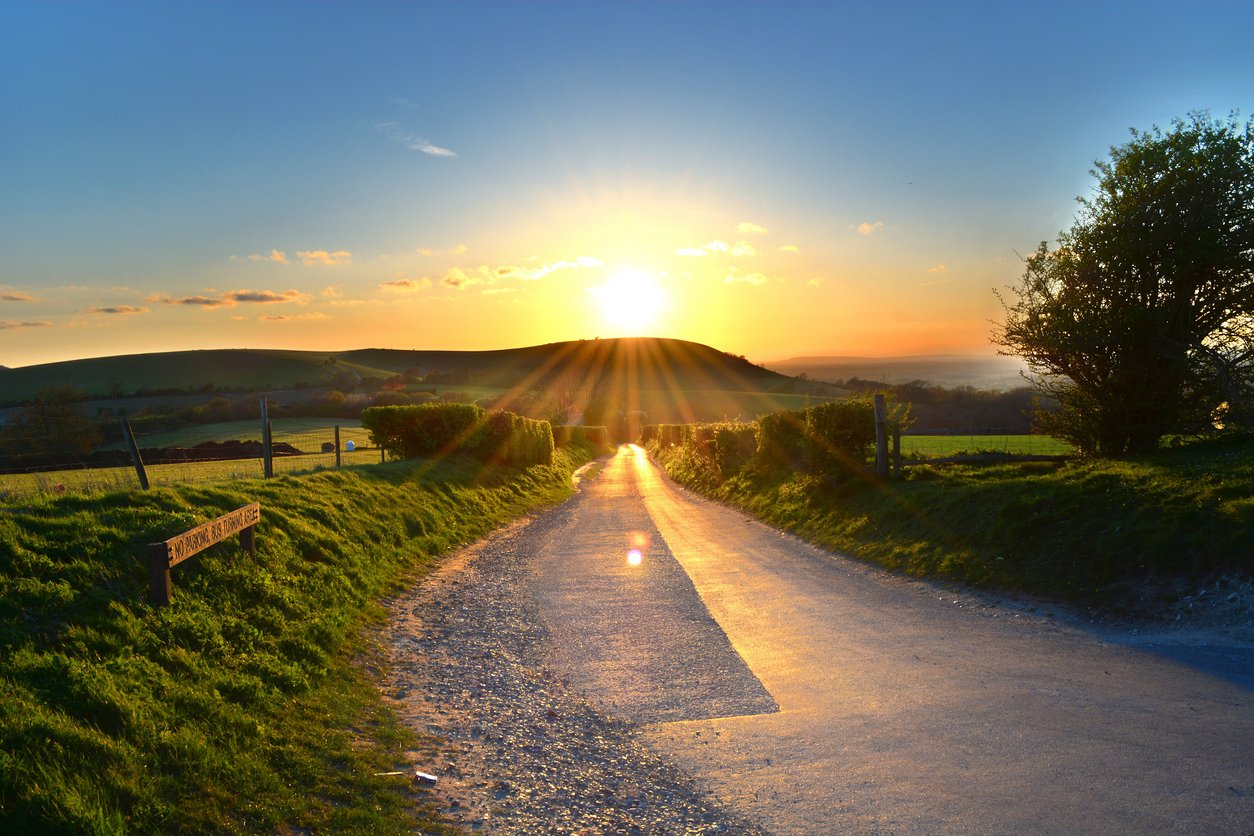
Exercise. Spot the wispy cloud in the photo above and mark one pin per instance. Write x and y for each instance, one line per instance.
(743, 249)
(790, 248)
(459, 278)
(277, 256)
(17, 326)
(415, 142)
(939, 268)
(330, 259)
(868, 228)
(16, 296)
(717, 246)
(459, 249)
(405, 285)
(750, 228)
(496, 291)
(814, 282)
(119, 310)
(332, 291)
(230, 299)
(293, 317)
(754, 279)
(691, 252)
(266, 297)
(531, 274)
(194, 301)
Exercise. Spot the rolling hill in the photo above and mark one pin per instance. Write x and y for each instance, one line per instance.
(948, 370)
(585, 366)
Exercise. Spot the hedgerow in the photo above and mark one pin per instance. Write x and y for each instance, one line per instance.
(429, 430)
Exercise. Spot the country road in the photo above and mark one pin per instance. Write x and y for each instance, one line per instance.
(733, 679)
(813, 694)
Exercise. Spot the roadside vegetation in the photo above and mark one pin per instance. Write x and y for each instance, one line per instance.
(1125, 537)
(249, 704)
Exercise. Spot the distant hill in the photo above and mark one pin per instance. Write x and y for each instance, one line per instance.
(948, 370)
(585, 365)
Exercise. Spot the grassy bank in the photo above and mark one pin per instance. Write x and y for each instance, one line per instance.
(245, 706)
(1094, 533)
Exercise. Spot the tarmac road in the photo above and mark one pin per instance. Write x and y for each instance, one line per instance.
(813, 694)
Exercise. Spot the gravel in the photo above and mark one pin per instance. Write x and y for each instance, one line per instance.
(523, 751)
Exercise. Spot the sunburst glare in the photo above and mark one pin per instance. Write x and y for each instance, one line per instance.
(630, 300)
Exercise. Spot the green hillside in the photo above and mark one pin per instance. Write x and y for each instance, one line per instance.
(128, 374)
(584, 366)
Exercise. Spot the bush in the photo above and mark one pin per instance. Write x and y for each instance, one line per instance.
(839, 435)
(734, 444)
(667, 435)
(780, 437)
(511, 439)
(439, 429)
(424, 430)
(596, 437)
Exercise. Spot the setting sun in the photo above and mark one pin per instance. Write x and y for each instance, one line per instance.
(630, 300)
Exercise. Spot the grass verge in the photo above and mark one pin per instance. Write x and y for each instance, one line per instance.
(247, 705)
(1101, 534)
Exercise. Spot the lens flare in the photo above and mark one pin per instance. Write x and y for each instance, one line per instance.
(635, 557)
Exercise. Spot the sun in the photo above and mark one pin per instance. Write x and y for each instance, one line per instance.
(630, 300)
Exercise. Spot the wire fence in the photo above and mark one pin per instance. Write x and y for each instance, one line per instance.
(201, 454)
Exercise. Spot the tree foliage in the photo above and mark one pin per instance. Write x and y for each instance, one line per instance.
(52, 423)
(1140, 323)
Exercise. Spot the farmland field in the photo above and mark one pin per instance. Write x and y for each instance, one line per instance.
(949, 445)
(305, 434)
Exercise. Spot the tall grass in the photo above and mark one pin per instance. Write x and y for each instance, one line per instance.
(245, 706)
(1091, 532)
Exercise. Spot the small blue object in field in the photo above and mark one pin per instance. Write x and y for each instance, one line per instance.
(350, 446)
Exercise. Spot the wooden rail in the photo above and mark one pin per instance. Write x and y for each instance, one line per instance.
(162, 556)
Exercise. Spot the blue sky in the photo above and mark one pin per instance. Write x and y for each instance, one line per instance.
(771, 179)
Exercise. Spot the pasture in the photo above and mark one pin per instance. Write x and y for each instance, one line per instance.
(305, 434)
(939, 446)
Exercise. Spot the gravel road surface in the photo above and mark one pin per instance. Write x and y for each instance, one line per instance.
(737, 679)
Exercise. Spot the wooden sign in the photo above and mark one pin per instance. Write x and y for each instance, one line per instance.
(161, 556)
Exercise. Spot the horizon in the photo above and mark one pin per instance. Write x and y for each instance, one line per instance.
(808, 180)
(843, 358)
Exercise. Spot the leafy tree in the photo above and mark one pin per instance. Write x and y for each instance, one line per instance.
(1140, 323)
(53, 423)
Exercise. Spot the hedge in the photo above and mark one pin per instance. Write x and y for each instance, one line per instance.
(439, 429)
(596, 436)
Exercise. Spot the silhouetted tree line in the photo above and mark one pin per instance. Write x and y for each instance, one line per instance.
(959, 409)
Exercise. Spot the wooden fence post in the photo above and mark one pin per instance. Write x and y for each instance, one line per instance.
(337, 445)
(159, 573)
(267, 460)
(897, 448)
(135, 457)
(881, 437)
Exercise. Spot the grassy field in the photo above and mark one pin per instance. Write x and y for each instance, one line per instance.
(935, 446)
(249, 705)
(305, 434)
(1097, 533)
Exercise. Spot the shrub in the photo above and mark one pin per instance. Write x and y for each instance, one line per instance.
(511, 439)
(731, 444)
(596, 437)
(426, 429)
(780, 437)
(839, 434)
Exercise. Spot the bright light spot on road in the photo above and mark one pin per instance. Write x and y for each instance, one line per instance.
(634, 557)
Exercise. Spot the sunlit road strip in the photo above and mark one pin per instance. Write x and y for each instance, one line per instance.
(900, 712)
